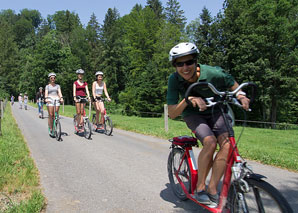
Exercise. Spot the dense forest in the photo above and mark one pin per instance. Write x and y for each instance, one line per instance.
(254, 40)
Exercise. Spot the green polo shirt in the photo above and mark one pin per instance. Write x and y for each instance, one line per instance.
(177, 87)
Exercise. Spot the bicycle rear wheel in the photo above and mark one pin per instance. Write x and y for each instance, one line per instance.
(262, 197)
(58, 130)
(175, 161)
(108, 125)
(87, 129)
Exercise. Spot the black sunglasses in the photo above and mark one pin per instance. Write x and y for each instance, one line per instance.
(188, 63)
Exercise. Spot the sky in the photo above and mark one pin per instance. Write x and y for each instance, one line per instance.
(85, 8)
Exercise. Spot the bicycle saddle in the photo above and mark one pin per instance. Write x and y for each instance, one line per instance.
(184, 140)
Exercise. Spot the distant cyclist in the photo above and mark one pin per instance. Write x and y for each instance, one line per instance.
(12, 100)
(25, 100)
(80, 90)
(39, 98)
(52, 94)
(98, 87)
(20, 99)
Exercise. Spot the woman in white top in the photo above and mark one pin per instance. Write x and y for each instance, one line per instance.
(52, 94)
(98, 87)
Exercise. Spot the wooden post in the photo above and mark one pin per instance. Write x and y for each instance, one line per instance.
(166, 117)
(2, 108)
(1, 116)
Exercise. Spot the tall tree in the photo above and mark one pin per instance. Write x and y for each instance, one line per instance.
(33, 16)
(140, 28)
(44, 28)
(258, 37)
(157, 7)
(175, 15)
(204, 38)
(93, 31)
(112, 57)
(9, 59)
(64, 22)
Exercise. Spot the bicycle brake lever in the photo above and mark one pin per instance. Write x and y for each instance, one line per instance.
(237, 103)
(210, 101)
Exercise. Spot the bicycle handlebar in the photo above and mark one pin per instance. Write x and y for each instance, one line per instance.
(220, 93)
(55, 100)
(81, 98)
(102, 99)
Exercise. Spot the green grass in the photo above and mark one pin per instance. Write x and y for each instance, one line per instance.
(19, 182)
(268, 146)
(272, 147)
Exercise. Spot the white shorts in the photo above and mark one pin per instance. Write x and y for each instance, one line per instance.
(52, 100)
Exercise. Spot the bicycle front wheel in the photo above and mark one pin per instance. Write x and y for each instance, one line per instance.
(178, 165)
(58, 130)
(262, 197)
(87, 129)
(108, 126)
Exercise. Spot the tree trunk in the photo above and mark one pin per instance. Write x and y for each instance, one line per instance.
(273, 112)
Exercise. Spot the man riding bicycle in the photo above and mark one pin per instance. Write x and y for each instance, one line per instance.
(206, 123)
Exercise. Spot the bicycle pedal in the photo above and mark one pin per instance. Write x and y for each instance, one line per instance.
(212, 205)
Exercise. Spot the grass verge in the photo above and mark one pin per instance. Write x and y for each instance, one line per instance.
(19, 177)
(273, 147)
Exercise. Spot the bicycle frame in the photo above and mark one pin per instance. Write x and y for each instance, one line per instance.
(188, 155)
(56, 117)
(86, 123)
(84, 119)
(105, 111)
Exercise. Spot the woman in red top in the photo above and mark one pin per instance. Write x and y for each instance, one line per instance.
(80, 90)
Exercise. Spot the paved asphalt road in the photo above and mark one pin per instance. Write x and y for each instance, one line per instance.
(125, 172)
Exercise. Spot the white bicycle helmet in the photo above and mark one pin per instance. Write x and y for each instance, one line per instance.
(80, 71)
(182, 49)
(99, 73)
(52, 74)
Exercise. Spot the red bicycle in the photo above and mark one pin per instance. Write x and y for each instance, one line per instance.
(242, 190)
(87, 127)
(108, 125)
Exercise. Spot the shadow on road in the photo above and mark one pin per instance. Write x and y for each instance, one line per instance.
(291, 194)
(187, 205)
